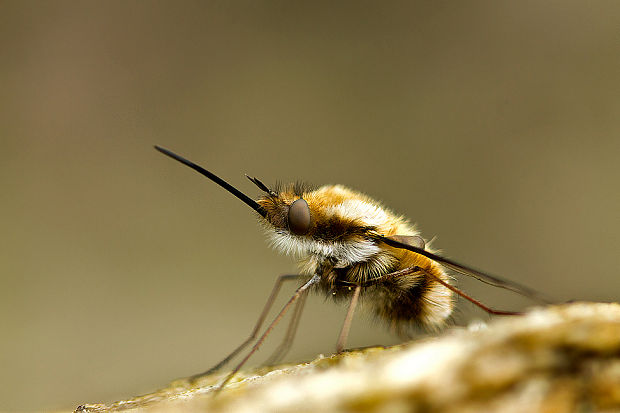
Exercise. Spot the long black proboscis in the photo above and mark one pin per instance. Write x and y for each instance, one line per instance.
(249, 201)
(465, 270)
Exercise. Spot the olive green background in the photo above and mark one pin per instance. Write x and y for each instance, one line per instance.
(493, 125)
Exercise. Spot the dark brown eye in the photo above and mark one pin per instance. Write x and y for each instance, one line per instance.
(299, 217)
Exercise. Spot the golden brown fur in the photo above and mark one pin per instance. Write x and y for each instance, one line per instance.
(339, 247)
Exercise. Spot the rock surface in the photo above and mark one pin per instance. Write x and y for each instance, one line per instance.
(556, 359)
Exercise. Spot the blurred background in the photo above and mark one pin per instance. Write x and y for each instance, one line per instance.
(493, 125)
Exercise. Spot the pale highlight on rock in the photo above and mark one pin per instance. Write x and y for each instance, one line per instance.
(557, 359)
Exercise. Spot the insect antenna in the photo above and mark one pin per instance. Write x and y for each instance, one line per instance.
(261, 185)
(471, 272)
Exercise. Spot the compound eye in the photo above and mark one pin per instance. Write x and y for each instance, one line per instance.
(299, 217)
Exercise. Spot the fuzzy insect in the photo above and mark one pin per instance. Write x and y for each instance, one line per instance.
(349, 246)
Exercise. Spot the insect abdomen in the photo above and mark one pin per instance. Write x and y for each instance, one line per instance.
(414, 299)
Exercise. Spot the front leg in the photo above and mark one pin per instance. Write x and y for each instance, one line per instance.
(272, 297)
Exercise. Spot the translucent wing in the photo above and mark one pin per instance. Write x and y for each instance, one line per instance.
(400, 241)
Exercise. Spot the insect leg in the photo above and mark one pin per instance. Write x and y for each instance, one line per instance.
(471, 299)
(346, 326)
(285, 346)
(384, 277)
(300, 291)
(411, 270)
(274, 293)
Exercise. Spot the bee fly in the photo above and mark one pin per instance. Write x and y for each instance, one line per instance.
(350, 247)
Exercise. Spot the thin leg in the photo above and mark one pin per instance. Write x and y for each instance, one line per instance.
(411, 270)
(300, 291)
(285, 346)
(384, 277)
(470, 299)
(344, 332)
(274, 293)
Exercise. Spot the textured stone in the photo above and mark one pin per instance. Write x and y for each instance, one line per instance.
(555, 359)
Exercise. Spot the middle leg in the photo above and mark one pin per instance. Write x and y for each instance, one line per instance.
(346, 326)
